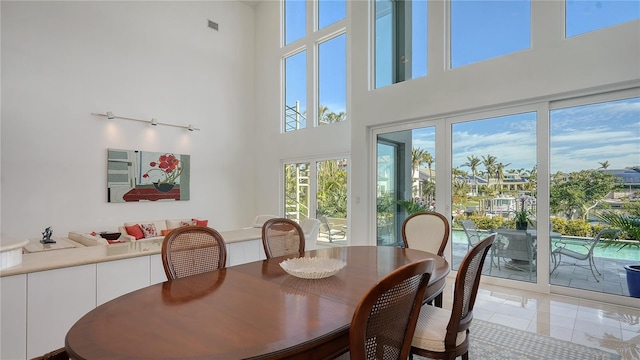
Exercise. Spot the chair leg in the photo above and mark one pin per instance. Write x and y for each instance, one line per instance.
(592, 265)
(465, 356)
(437, 302)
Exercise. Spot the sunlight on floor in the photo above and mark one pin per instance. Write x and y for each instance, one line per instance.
(604, 326)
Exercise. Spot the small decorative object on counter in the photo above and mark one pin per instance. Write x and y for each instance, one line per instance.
(46, 236)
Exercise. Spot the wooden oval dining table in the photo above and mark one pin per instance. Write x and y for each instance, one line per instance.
(249, 311)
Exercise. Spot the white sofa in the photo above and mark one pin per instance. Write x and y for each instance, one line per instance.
(159, 225)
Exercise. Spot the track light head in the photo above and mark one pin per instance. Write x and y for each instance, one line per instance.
(154, 122)
(110, 115)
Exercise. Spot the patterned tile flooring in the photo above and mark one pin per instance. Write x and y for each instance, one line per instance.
(604, 326)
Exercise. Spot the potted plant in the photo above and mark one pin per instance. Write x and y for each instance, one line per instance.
(630, 226)
(522, 216)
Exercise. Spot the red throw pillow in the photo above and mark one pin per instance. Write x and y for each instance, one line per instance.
(135, 231)
(200, 222)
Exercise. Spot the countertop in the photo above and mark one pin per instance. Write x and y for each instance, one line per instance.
(56, 259)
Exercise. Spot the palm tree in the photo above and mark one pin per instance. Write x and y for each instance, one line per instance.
(417, 158)
(473, 162)
(500, 172)
(327, 117)
(489, 163)
(428, 159)
(604, 165)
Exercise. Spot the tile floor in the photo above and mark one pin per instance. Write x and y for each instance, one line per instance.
(604, 326)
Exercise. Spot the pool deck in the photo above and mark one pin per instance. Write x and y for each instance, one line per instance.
(612, 281)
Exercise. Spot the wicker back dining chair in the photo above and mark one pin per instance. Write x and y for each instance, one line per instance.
(444, 334)
(282, 237)
(190, 250)
(384, 321)
(58, 354)
(426, 231)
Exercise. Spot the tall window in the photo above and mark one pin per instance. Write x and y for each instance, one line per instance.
(294, 20)
(400, 40)
(296, 190)
(494, 178)
(481, 30)
(330, 11)
(586, 15)
(406, 181)
(332, 76)
(295, 108)
(595, 170)
(319, 192)
(325, 75)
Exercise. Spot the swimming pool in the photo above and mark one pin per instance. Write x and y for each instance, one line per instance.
(458, 236)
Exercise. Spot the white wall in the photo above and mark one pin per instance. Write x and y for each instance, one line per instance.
(603, 59)
(62, 61)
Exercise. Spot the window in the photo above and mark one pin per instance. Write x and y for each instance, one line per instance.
(318, 66)
(295, 24)
(400, 41)
(332, 76)
(406, 181)
(295, 107)
(481, 30)
(331, 11)
(584, 16)
(318, 192)
(493, 177)
(595, 148)
(296, 190)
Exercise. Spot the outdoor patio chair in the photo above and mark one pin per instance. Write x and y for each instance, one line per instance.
(282, 237)
(385, 319)
(586, 254)
(332, 230)
(471, 230)
(190, 250)
(310, 227)
(516, 245)
(444, 334)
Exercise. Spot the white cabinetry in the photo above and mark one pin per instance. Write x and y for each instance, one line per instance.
(56, 300)
(119, 277)
(13, 317)
(157, 270)
(244, 251)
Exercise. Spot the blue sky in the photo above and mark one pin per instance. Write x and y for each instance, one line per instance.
(581, 138)
(503, 28)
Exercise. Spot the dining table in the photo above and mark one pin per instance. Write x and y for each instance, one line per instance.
(250, 311)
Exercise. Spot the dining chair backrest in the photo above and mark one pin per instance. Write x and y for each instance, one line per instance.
(282, 237)
(426, 231)
(384, 321)
(444, 334)
(58, 354)
(190, 250)
(466, 288)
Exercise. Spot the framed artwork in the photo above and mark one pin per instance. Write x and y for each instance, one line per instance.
(134, 175)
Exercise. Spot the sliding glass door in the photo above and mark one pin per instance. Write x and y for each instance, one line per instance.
(406, 181)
